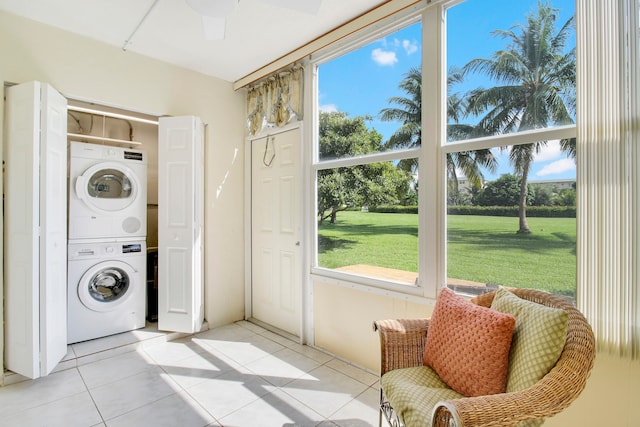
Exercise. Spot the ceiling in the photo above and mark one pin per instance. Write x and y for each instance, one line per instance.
(257, 33)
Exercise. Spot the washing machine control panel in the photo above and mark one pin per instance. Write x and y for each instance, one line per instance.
(111, 249)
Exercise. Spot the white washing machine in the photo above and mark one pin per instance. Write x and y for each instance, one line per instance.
(106, 288)
(107, 192)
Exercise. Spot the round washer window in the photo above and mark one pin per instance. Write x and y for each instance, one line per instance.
(108, 285)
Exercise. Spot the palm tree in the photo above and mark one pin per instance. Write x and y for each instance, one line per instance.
(469, 162)
(536, 88)
(409, 113)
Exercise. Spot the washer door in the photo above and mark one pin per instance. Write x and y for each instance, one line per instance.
(107, 285)
(108, 187)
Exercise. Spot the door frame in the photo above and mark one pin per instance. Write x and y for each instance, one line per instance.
(306, 319)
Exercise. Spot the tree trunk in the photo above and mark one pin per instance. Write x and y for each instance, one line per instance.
(334, 215)
(522, 206)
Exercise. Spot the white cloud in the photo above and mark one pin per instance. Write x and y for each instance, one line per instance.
(328, 108)
(389, 44)
(410, 47)
(384, 57)
(387, 54)
(551, 151)
(557, 167)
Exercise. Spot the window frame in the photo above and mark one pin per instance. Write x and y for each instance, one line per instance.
(495, 141)
(374, 32)
(432, 199)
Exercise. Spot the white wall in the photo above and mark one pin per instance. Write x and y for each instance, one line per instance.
(343, 320)
(85, 69)
(610, 398)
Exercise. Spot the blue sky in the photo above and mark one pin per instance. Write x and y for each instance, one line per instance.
(361, 82)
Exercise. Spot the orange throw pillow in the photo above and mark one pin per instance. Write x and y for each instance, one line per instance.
(468, 345)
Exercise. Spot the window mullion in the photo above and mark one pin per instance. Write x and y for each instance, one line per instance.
(369, 158)
(525, 137)
(431, 224)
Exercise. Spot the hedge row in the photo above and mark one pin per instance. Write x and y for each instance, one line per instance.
(532, 211)
(394, 209)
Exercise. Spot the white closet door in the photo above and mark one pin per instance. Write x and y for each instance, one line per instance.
(22, 312)
(180, 224)
(35, 244)
(53, 229)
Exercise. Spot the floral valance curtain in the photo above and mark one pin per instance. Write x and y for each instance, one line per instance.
(276, 100)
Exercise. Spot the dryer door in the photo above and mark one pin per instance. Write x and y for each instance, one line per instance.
(107, 285)
(108, 187)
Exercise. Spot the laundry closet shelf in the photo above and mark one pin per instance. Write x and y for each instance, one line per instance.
(102, 138)
(113, 115)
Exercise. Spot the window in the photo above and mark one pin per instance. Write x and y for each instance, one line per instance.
(367, 163)
(457, 133)
(447, 144)
(510, 146)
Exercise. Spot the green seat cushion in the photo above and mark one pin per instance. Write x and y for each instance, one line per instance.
(414, 392)
(538, 338)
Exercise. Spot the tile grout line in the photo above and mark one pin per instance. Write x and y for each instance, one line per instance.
(90, 395)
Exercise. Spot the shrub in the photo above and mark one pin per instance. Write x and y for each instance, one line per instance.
(394, 209)
(512, 211)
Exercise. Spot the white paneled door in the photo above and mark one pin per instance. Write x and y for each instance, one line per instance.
(180, 224)
(276, 217)
(35, 224)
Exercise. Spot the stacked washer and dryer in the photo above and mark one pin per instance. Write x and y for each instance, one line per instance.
(107, 240)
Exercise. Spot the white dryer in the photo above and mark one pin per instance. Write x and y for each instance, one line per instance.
(106, 288)
(107, 192)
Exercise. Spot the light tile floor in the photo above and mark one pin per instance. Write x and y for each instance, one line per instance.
(236, 375)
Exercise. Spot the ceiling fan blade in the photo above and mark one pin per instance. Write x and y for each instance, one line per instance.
(213, 27)
(306, 6)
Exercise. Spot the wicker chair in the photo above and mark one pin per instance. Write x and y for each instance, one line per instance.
(402, 344)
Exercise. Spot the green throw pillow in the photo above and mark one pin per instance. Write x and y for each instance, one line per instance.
(538, 338)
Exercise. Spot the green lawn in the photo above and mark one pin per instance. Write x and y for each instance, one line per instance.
(480, 248)
(383, 240)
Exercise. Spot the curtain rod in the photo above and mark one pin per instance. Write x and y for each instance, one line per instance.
(356, 24)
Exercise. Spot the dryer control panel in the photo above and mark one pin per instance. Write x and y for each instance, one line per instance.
(133, 248)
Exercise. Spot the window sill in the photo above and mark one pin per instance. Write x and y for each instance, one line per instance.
(392, 288)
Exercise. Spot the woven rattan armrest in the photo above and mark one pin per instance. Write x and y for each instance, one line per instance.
(547, 397)
(402, 342)
(506, 409)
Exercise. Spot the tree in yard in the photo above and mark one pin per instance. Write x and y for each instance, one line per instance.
(504, 191)
(346, 187)
(409, 113)
(409, 135)
(535, 89)
(565, 197)
(543, 195)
